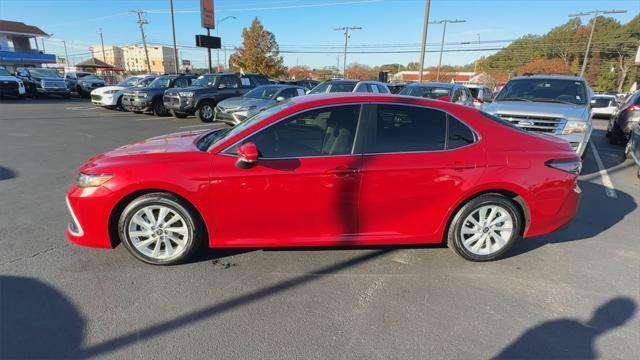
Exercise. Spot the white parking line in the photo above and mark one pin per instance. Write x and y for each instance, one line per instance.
(606, 180)
(149, 119)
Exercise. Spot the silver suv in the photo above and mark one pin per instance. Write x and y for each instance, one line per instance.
(554, 104)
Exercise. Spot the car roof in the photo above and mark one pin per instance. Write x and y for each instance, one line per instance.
(604, 96)
(549, 76)
(434, 84)
(345, 81)
(365, 97)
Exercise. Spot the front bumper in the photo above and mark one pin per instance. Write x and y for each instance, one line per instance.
(135, 103)
(104, 100)
(178, 103)
(90, 210)
(53, 91)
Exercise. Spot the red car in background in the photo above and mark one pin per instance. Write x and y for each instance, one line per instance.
(335, 169)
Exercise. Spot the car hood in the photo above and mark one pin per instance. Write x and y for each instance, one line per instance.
(166, 144)
(241, 101)
(571, 112)
(102, 90)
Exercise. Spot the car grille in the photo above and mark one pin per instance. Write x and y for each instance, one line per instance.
(9, 85)
(228, 109)
(535, 123)
(172, 100)
(55, 84)
(96, 97)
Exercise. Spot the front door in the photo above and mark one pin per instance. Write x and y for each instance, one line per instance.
(412, 171)
(303, 189)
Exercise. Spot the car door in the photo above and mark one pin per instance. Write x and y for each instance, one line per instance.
(417, 160)
(303, 189)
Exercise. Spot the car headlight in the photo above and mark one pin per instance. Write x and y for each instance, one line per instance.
(86, 181)
(142, 94)
(110, 92)
(186, 93)
(572, 127)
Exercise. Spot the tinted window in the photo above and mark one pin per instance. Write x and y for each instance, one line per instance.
(426, 92)
(459, 134)
(182, 82)
(263, 92)
(545, 90)
(261, 80)
(161, 82)
(321, 132)
(288, 93)
(382, 89)
(402, 128)
(361, 88)
(205, 80)
(229, 82)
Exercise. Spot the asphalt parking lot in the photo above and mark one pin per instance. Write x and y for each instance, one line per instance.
(573, 293)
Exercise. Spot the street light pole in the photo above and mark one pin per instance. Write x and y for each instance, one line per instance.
(424, 37)
(104, 56)
(444, 30)
(595, 14)
(218, 35)
(346, 42)
(173, 31)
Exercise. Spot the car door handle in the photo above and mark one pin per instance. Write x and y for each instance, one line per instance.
(343, 171)
(461, 166)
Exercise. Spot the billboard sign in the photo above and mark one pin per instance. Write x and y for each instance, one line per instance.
(206, 14)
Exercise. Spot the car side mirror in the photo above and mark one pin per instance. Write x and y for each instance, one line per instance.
(307, 92)
(247, 155)
(280, 99)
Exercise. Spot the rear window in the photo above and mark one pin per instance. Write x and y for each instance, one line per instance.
(600, 102)
(425, 92)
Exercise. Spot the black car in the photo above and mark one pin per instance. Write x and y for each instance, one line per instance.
(43, 82)
(621, 123)
(208, 90)
(149, 98)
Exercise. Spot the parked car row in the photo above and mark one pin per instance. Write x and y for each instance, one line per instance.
(41, 82)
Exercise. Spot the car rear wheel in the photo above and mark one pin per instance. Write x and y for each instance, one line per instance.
(160, 229)
(484, 228)
(205, 112)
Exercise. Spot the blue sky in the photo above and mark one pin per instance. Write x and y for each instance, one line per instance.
(307, 25)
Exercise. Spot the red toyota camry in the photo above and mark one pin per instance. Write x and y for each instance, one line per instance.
(355, 169)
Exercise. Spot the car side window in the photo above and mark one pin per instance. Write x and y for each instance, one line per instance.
(229, 82)
(321, 132)
(361, 88)
(456, 95)
(459, 134)
(382, 89)
(373, 88)
(401, 128)
(182, 82)
(288, 93)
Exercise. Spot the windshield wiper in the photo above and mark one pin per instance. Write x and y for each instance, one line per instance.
(516, 99)
(554, 101)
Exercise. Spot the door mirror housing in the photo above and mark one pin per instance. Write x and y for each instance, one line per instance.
(280, 99)
(247, 155)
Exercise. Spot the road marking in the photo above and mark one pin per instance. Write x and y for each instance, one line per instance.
(149, 119)
(194, 126)
(606, 180)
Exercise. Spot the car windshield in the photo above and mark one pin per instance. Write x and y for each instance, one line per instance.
(44, 73)
(206, 142)
(333, 87)
(428, 92)
(205, 80)
(132, 81)
(161, 82)
(88, 77)
(263, 92)
(545, 90)
(4, 72)
(145, 82)
(600, 102)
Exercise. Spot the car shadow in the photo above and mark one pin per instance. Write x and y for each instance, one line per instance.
(588, 222)
(612, 156)
(6, 173)
(570, 338)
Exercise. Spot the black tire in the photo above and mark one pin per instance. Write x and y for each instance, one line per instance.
(192, 222)
(158, 109)
(119, 104)
(454, 238)
(178, 115)
(205, 111)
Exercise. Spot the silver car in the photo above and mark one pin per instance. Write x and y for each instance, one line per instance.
(237, 109)
(554, 104)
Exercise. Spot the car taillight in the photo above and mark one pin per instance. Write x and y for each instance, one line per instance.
(571, 165)
(633, 108)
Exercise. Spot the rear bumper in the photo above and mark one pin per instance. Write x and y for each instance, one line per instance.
(89, 209)
(544, 221)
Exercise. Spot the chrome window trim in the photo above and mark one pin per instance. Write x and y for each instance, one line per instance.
(224, 151)
(476, 135)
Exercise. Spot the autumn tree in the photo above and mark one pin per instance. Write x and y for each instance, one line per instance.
(548, 66)
(299, 72)
(360, 72)
(259, 52)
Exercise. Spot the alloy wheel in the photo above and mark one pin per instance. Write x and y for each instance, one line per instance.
(486, 230)
(158, 232)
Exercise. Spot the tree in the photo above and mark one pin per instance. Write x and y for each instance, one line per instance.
(360, 72)
(299, 72)
(549, 66)
(259, 52)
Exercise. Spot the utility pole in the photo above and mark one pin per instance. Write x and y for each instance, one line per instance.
(218, 35)
(175, 48)
(142, 22)
(66, 54)
(444, 30)
(595, 14)
(475, 63)
(427, 5)
(104, 57)
(346, 42)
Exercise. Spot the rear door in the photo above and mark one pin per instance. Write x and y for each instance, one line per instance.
(417, 160)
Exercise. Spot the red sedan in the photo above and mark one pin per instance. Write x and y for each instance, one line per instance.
(355, 169)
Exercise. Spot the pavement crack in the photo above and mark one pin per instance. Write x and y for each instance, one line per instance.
(37, 253)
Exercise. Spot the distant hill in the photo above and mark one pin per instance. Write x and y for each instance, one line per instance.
(611, 60)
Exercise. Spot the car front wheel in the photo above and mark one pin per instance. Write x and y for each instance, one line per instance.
(484, 228)
(160, 229)
(205, 112)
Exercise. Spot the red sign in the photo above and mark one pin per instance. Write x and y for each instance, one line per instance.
(206, 13)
